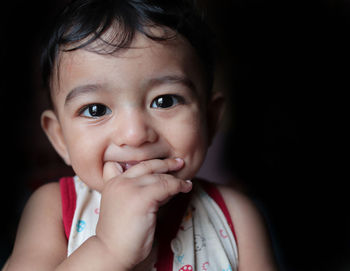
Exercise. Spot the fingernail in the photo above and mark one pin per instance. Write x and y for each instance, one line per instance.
(179, 160)
(189, 182)
(189, 185)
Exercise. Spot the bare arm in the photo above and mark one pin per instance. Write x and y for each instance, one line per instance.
(40, 242)
(254, 247)
(124, 236)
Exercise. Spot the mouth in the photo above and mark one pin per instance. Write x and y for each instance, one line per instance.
(124, 166)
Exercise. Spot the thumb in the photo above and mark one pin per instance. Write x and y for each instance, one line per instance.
(111, 170)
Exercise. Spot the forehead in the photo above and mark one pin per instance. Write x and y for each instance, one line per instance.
(143, 59)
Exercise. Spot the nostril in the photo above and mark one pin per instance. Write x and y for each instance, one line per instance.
(136, 136)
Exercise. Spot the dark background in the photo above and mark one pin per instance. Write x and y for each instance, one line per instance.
(284, 67)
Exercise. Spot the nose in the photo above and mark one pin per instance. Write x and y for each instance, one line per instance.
(134, 128)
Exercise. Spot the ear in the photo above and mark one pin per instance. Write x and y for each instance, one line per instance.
(215, 111)
(53, 130)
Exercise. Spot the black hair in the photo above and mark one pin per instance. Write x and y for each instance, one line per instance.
(82, 22)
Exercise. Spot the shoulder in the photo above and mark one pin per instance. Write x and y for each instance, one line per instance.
(252, 236)
(47, 196)
(43, 207)
(243, 211)
(40, 233)
(49, 189)
(241, 208)
(238, 203)
(235, 200)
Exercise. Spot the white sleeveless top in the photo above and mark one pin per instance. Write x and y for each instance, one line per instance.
(204, 240)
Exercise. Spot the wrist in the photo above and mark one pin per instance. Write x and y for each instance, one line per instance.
(111, 260)
(92, 255)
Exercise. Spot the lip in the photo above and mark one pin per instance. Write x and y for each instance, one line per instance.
(125, 165)
(128, 164)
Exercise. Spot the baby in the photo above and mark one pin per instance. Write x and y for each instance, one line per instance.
(133, 113)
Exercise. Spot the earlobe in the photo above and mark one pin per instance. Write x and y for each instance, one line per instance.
(53, 130)
(216, 108)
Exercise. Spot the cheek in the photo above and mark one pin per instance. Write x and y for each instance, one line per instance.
(85, 154)
(189, 141)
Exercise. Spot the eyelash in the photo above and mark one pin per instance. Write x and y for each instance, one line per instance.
(101, 109)
(162, 99)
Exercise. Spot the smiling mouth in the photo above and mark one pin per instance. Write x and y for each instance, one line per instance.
(124, 166)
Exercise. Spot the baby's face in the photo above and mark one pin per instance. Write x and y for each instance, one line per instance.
(138, 104)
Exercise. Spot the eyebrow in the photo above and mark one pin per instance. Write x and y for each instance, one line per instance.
(149, 83)
(170, 79)
(81, 90)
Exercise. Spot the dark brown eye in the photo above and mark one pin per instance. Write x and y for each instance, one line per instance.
(95, 111)
(166, 101)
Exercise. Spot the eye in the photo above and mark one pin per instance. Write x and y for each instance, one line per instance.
(94, 111)
(166, 101)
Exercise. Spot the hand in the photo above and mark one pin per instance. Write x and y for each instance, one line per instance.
(129, 206)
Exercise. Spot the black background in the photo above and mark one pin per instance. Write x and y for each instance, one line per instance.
(285, 68)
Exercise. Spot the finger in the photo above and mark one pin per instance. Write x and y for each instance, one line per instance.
(166, 186)
(154, 166)
(111, 170)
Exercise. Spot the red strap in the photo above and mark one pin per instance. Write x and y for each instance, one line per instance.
(68, 196)
(168, 230)
(215, 194)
